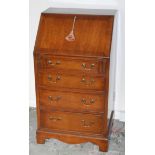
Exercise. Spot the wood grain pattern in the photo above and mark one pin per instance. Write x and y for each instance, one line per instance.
(72, 101)
(42, 134)
(72, 78)
(93, 34)
(62, 80)
(72, 121)
(77, 64)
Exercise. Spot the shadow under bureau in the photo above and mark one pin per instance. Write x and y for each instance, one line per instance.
(71, 59)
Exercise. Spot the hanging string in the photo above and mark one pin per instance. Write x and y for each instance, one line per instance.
(71, 36)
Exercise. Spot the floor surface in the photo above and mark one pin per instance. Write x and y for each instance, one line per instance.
(55, 147)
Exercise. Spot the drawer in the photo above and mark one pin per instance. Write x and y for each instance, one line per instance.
(72, 101)
(90, 65)
(80, 81)
(72, 122)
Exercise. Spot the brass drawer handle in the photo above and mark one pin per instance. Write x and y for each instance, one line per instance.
(90, 82)
(83, 101)
(92, 101)
(58, 62)
(92, 66)
(52, 118)
(87, 124)
(57, 98)
(55, 81)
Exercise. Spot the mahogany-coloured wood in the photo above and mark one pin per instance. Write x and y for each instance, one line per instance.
(80, 81)
(43, 134)
(93, 34)
(72, 101)
(79, 64)
(72, 78)
(68, 121)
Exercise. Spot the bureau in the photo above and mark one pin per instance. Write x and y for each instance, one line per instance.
(71, 60)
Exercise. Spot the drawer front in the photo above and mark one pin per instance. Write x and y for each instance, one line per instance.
(72, 122)
(72, 63)
(72, 81)
(72, 101)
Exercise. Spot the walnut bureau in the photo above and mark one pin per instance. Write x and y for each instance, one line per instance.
(71, 60)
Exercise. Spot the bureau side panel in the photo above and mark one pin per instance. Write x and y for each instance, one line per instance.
(36, 56)
(107, 92)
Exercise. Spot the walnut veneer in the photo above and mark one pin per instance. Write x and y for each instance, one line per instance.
(72, 76)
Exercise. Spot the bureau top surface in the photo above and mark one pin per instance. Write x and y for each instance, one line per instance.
(84, 32)
(80, 11)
